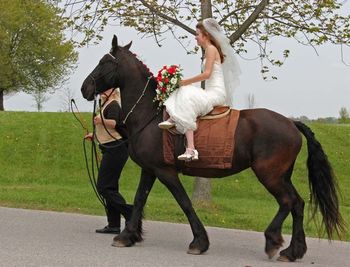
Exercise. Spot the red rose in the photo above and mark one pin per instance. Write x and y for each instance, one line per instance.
(163, 89)
(172, 70)
(166, 80)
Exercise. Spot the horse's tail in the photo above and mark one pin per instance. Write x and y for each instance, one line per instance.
(322, 183)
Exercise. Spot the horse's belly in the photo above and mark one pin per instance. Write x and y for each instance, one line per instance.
(209, 173)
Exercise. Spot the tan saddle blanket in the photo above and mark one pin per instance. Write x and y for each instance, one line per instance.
(214, 140)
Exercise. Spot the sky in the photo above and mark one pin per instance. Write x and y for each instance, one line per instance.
(311, 85)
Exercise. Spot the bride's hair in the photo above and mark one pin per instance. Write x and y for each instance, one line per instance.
(212, 40)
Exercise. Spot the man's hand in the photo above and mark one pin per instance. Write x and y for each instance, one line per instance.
(97, 120)
(89, 136)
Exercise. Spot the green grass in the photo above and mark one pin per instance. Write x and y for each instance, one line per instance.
(42, 167)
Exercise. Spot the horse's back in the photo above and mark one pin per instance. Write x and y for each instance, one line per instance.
(264, 122)
(265, 134)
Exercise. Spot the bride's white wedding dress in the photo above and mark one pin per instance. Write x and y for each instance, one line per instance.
(188, 102)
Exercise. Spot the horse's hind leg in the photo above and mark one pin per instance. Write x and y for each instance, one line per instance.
(297, 247)
(285, 194)
(200, 241)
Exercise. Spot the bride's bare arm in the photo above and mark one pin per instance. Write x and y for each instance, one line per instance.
(210, 56)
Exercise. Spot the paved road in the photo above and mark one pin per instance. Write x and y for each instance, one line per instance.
(42, 238)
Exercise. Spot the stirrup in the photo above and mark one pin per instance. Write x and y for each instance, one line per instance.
(166, 125)
(190, 154)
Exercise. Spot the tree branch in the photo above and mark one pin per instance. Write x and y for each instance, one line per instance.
(167, 18)
(249, 21)
(234, 13)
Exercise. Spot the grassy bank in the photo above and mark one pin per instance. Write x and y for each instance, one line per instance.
(42, 167)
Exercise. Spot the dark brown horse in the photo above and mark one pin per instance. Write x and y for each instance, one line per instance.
(266, 141)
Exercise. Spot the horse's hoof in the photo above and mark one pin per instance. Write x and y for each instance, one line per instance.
(194, 251)
(118, 243)
(272, 253)
(138, 238)
(283, 258)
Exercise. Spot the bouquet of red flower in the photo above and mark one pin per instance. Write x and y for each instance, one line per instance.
(168, 81)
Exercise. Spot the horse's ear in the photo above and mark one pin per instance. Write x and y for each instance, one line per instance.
(128, 45)
(115, 43)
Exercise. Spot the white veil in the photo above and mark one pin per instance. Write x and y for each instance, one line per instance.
(230, 65)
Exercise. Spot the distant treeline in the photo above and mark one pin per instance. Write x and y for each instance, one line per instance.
(331, 120)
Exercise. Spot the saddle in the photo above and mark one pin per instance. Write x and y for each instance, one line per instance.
(214, 140)
(217, 113)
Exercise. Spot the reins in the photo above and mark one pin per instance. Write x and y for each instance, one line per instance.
(94, 155)
(138, 100)
(78, 116)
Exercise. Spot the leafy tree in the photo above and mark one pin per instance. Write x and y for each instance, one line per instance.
(34, 54)
(39, 98)
(257, 22)
(344, 115)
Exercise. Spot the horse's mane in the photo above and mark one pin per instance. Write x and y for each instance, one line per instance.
(144, 70)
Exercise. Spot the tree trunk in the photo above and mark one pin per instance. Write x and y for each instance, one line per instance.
(206, 9)
(2, 100)
(201, 190)
(202, 186)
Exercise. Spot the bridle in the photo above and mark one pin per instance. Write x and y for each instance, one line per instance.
(94, 79)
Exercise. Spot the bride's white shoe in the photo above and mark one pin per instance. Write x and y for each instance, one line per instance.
(166, 125)
(190, 154)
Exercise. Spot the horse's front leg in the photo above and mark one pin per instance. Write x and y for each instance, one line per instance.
(133, 230)
(170, 179)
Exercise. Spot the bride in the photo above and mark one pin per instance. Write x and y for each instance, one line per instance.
(221, 71)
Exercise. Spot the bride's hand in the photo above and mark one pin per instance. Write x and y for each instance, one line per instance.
(183, 83)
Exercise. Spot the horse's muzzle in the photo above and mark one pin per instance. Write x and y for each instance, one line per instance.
(88, 91)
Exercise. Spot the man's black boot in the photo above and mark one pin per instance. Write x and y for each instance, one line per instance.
(109, 230)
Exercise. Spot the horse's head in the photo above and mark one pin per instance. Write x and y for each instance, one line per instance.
(106, 74)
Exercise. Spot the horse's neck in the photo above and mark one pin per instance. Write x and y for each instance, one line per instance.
(138, 113)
